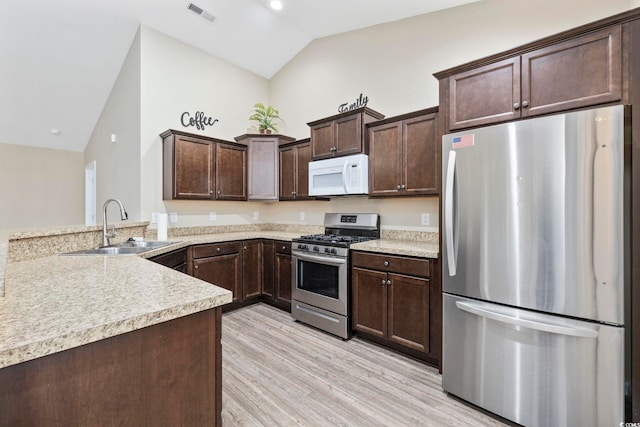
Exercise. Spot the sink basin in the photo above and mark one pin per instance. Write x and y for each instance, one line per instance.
(125, 248)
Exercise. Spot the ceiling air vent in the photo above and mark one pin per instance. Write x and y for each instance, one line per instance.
(201, 12)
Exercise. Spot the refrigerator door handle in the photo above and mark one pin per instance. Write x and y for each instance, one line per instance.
(526, 323)
(448, 213)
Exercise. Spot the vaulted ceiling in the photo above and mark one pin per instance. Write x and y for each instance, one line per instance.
(60, 58)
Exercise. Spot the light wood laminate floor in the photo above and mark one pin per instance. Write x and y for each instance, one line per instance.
(277, 372)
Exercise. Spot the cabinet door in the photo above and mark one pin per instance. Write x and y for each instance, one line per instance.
(420, 155)
(288, 173)
(263, 169)
(369, 301)
(231, 172)
(268, 270)
(283, 278)
(224, 271)
(385, 159)
(251, 268)
(193, 175)
(577, 73)
(409, 312)
(485, 95)
(303, 157)
(349, 135)
(323, 140)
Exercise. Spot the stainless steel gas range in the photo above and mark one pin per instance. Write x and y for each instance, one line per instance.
(320, 276)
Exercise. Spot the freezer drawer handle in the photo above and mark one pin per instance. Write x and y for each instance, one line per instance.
(531, 324)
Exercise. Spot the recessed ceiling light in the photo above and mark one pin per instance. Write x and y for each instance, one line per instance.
(276, 5)
(56, 131)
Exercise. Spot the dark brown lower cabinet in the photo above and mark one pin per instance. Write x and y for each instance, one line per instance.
(391, 302)
(252, 263)
(165, 374)
(254, 270)
(282, 294)
(176, 260)
(220, 264)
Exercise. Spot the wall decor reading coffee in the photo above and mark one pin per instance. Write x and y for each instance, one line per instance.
(199, 120)
(359, 103)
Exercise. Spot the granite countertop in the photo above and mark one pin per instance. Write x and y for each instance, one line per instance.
(59, 302)
(399, 247)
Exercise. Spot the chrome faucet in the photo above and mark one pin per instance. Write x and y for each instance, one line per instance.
(123, 216)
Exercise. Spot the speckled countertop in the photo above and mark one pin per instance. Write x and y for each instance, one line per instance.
(59, 302)
(399, 247)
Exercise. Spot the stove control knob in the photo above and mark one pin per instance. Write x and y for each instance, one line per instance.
(326, 250)
(334, 251)
(316, 249)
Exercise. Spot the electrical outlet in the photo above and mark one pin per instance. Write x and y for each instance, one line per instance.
(256, 215)
(301, 216)
(425, 219)
(154, 217)
(212, 216)
(173, 217)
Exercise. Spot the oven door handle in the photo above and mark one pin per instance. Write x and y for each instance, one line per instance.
(320, 259)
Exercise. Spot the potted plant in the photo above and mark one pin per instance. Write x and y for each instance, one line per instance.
(265, 117)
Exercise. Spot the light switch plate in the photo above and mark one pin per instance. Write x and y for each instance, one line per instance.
(212, 216)
(301, 216)
(425, 219)
(154, 217)
(173, 217)
(256, 215)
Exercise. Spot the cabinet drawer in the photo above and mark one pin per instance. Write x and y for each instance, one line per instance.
(215, 249)
(391, 263)
(171, 259)
(283, 247)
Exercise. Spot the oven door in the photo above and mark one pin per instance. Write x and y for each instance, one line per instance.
(320, 281)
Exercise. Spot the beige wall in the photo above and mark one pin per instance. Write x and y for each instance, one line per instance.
(118, 164)
(40, 187)
(177, 78)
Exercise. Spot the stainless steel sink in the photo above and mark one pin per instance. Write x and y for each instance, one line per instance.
(125, 248)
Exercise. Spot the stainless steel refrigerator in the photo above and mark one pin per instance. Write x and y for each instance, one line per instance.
(535, 261)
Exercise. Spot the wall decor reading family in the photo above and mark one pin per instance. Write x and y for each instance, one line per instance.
(199, 120)
(359, 103)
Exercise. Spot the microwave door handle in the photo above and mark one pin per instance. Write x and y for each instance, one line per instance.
(526, 323)
(448, 213)
(344, 176)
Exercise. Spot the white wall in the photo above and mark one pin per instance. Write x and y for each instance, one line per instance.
(40, 187)
(118, 164)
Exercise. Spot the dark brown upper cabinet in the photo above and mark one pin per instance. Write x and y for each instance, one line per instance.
(403, 155)
(263, 164)
(577, 72)
(342, 134)
(202, 168)
(294, 170)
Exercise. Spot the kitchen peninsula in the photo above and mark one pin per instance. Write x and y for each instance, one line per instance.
(95, 338)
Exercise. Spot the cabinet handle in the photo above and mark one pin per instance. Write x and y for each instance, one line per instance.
(218, 191)
(284, 248)
(384, 282)
(196, 267)
(525, 104)
(398, 187)
(245, 248)
(388, 282)
(516, 106)
(386, 263)
(218, 249)
(210, 191)
(402, 187)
